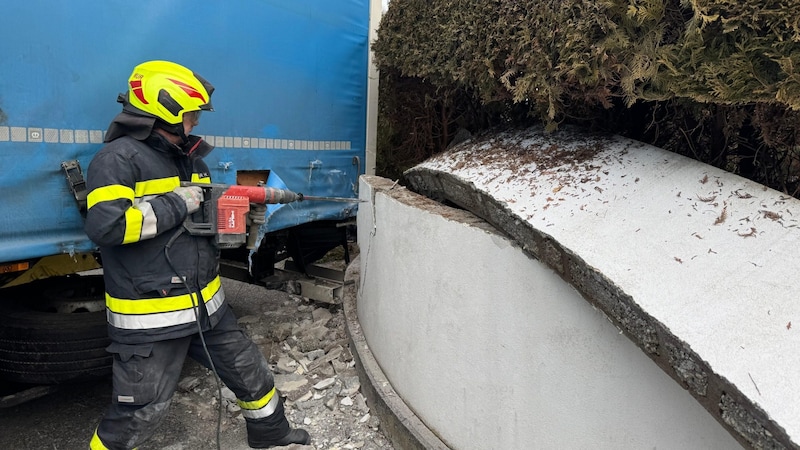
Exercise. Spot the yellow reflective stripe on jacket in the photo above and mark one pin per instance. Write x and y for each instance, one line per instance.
(133, 225)
(108, 193)
(196, 178)
(258, 409)
(141, 189)
(157, 186)
(159, 317)
(160, 304)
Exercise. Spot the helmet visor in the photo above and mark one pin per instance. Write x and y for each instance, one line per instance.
(193, 117)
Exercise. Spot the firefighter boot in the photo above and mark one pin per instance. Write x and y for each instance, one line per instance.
(274, 430)
(295, 436)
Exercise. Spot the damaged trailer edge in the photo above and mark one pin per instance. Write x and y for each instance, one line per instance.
(295, 108)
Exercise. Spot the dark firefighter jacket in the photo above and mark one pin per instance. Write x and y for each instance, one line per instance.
(134, 217)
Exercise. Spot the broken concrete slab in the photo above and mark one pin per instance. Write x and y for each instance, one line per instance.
(695, 265)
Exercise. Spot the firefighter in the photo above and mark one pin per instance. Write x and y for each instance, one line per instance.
(164, 299)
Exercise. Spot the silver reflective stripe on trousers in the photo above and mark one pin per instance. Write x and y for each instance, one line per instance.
(263, 412)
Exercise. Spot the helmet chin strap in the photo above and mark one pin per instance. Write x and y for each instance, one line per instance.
(184, 138)
(192, 146)
(175, 130)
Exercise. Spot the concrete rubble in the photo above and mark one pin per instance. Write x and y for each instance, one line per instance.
(307, 347)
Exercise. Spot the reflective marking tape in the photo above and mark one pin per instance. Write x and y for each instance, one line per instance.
(164, 319)
(269, 143)
(18, 134)
(261, 408)
(35, 135)
(80, 136)
(51, 135)
(66, 136)
(149, 220)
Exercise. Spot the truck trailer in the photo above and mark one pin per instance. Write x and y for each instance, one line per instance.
(295, 108)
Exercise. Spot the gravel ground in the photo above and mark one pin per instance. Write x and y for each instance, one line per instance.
(307, 347)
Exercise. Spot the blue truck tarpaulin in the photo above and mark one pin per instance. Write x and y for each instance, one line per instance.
(291, 99)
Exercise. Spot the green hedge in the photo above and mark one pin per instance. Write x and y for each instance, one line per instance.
(717, 80)
(557, 51)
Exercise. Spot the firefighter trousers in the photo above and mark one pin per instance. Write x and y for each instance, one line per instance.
(145, 377)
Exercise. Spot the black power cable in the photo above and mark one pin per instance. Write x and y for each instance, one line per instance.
(196, 308)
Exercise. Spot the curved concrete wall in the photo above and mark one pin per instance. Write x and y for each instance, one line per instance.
(492, 349)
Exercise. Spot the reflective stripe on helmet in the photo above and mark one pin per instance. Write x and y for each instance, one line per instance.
(163, 311)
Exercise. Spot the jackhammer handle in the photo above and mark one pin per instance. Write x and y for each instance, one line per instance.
(203, 222)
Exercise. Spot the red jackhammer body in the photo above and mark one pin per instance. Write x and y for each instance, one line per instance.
(228, 210)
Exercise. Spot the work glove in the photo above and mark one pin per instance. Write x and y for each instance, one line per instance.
(257, 213)
(191, 195)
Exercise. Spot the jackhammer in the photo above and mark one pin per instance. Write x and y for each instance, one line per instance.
(228, 210)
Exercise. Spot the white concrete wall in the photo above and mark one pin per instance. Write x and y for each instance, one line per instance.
(493, 350)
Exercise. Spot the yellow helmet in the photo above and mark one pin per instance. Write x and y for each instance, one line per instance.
(167, 90)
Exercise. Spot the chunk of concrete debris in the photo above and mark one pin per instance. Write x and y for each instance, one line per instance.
(244, 320)
(315, 354)
(286, 364)
(308, 342)
(332, 354)
(289, 382)
(361, 403)
(325, 384)
(282, 331)
(351, 385)
(319, 331)
(330, 403)
(188, 383)
(228, 394)
(321, 315)
(305, 397)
